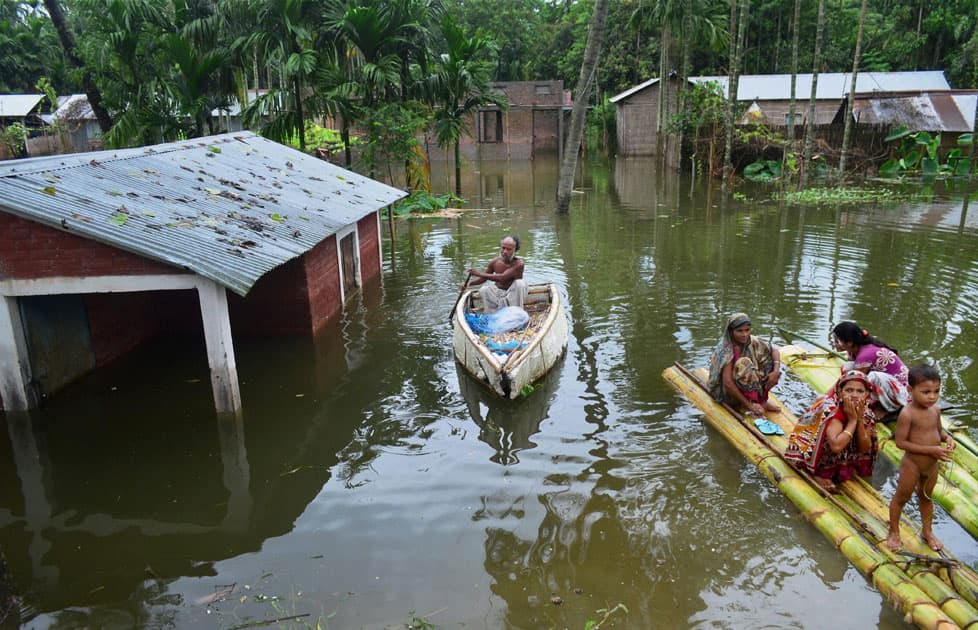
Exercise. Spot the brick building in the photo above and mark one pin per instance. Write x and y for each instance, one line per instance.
(536, 121)
(102, 251)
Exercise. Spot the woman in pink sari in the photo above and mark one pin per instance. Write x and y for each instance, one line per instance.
(879, 362)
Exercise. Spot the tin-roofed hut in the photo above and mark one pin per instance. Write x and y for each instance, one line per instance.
(105, 250)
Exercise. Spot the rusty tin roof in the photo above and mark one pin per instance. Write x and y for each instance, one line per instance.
(230, 207)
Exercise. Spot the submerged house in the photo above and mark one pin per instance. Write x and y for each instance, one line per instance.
(950, 111)
(534, 122)
(105, 250)
(767, 99)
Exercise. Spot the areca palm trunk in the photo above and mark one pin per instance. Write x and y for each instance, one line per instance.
(852, 93)
(810, 123)
(728, 115)
(660, 112)
(68, 43)
(592, 53)
(733, 87)
(789, 145)
(684, 74)
(458, 169)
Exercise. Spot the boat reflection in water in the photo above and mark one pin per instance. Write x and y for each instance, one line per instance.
(507, 425)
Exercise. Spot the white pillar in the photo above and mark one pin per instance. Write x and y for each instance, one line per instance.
(15, 368)
(220, 349)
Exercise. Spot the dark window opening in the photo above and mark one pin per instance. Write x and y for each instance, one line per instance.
(491, 127)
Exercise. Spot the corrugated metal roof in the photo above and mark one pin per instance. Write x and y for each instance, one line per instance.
(967, 103)
(831, 85)
(74, 107)
(18, 105)
(935, 111)
(632, 90)
(230, 208)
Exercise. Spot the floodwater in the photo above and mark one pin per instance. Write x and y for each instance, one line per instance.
(371, 484)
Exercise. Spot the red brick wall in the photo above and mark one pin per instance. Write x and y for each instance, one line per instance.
(278, 303)
(120, 322)
(369, 248)
(323, 278)
(32, 250)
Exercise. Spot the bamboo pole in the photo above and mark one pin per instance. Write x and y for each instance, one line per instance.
(865, 507)
(877, 565)
(957, 487)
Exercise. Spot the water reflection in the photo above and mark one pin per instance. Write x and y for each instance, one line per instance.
(506, 425)
(125, 500)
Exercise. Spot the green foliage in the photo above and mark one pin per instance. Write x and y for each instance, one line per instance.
(842, 196)
(44, 85)
(391, 134)
(763, 171)
(705, 107)
(423, 202)
(917, 153)
(14, 139)
(606, 614)
(601, 124)
(329, 140)
(415, 622)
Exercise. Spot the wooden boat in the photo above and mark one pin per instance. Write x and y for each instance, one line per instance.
(932, 589)
(957, 487)
(540, 344)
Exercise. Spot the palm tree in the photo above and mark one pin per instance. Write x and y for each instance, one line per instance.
(810, 126)
(592, 53)
(285, 38)
(68, 43)
(789, 145)
(460, 86)
(736, 45)
(852, 93)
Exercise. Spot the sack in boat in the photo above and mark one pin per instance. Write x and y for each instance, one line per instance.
(504, 320)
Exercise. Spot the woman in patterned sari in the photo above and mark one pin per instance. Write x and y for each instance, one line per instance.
(881, 363)
(744, 368)
(836, 437)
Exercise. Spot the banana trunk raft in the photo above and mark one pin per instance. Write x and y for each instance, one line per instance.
(956, 490)
(932, 589)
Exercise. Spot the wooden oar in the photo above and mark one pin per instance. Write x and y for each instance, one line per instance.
(787, 334)
(460, 294)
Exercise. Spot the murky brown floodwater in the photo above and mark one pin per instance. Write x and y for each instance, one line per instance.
(370, 482)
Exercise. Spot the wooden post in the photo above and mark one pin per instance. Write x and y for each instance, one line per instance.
(220, 349)
(15, 369)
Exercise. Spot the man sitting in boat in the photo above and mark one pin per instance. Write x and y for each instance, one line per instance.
(506, 273)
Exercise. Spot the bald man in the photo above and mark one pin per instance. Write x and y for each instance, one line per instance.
(505, 272)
